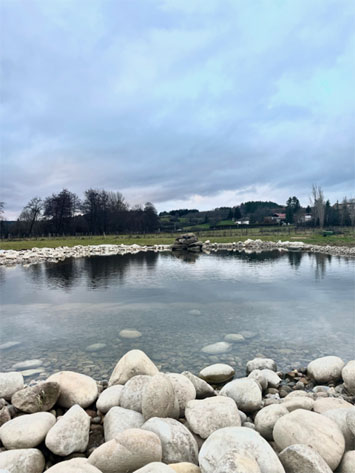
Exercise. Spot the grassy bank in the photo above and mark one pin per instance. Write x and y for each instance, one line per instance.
(347, 238)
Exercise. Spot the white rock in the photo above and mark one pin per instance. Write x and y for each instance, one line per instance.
(348, 375)
(239, 440)
(131, 396)
(207, 415)
(325, 369)
(110, 397)
(75, 465)
(298, 402)
(184, 390)
(245, 392)
(202, 388)
(217, 373)
(131, 364)
(130, 450)
(10, 383)
(302, 458)
(234, 338)
(266, 418)
(260, 364)
(7, 345)
(272, 378)
(350, 418)
(118, 419)
(130, 333)
(95, 347)
(155, 467)
(159, 399)
(347, 464)
(177, 441)
(26, 365)
(31, 372)
(329, 403)
(339, 416)
(217, 348)
(315, 430)
(29, 460)
(26, 431)
(184, 467)
(233, 462)
(75, 388)
(70, 433)
(258, 376)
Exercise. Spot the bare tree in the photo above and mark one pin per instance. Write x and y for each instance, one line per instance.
(31, 213)
(318, 204)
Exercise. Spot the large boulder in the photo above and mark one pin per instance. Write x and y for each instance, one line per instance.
(240, 440)
(177, 441)
(347, 464)
(325, 404)
(350, 419)
(26, 431)
(131, 397)
(326, 369)
(155, 467)
(70, 433)
(9, 384)
(28, 460)
(110, 397)
(217, 348)
(187, 242)
(266, 419)
(217, 373)
(302, 458)
(315, 430)
(75, 465)
(203, 389)
(130, 450)
(41, 397)
(184, 390)
(260, 364)
(348, 375)
(207, 415)
(118, 420)
(159, 399)
(184, 467)
(75, 388)
(233, 462)
(131, 364)
(339, 416)
(245, 392)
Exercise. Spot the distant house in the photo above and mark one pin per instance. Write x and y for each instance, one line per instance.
(305, 218)
(242, 221)
(278, 217)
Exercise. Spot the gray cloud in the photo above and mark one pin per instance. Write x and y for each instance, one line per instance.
(177, 101)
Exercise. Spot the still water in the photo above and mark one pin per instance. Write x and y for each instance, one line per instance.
(291, 307)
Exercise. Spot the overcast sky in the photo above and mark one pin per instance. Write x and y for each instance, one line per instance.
(184, 103)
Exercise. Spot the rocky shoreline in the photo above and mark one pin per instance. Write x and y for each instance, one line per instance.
(55, 255)
(145, 421)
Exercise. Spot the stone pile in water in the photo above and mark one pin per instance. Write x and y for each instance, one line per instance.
(187, 242)
(145, 421)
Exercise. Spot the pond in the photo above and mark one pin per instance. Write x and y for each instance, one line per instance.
(292, 307)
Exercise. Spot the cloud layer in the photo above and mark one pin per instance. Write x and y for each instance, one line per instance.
(182, 103)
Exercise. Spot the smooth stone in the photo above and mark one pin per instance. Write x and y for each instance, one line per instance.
(110, 397)
(302, 458)
(207, 415)
(266, 419)
(75, 388)
(132, 393)
(301, 402)
(259, 377)
(245, 392)
(26, 431)
(325, 369)
(131, 364)
(26, 365)
(217, 348)
(217, 373)
(233, 462)
(234, 338)
(75, 465)
(10, 383)
(313, 429)
(339, 416)
(273, 379)
(238, 440)
(155, 467)
(70, 433)
(177, 441)
(248, 334)
(350, 419)
(194, 312)
(28, 460)
(347, 464)
(348, 375)
(260, 364)
(130, 450)
(184, 390)
(7, 345)
(41, 397)
(329, 403)
(203, 389)
(130, 333)
(95, 347)
(184, 467)
(32, 372)
(159, 399)
(4, 415)
(119, 419)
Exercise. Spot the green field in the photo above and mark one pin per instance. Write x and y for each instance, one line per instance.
(347, 238)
